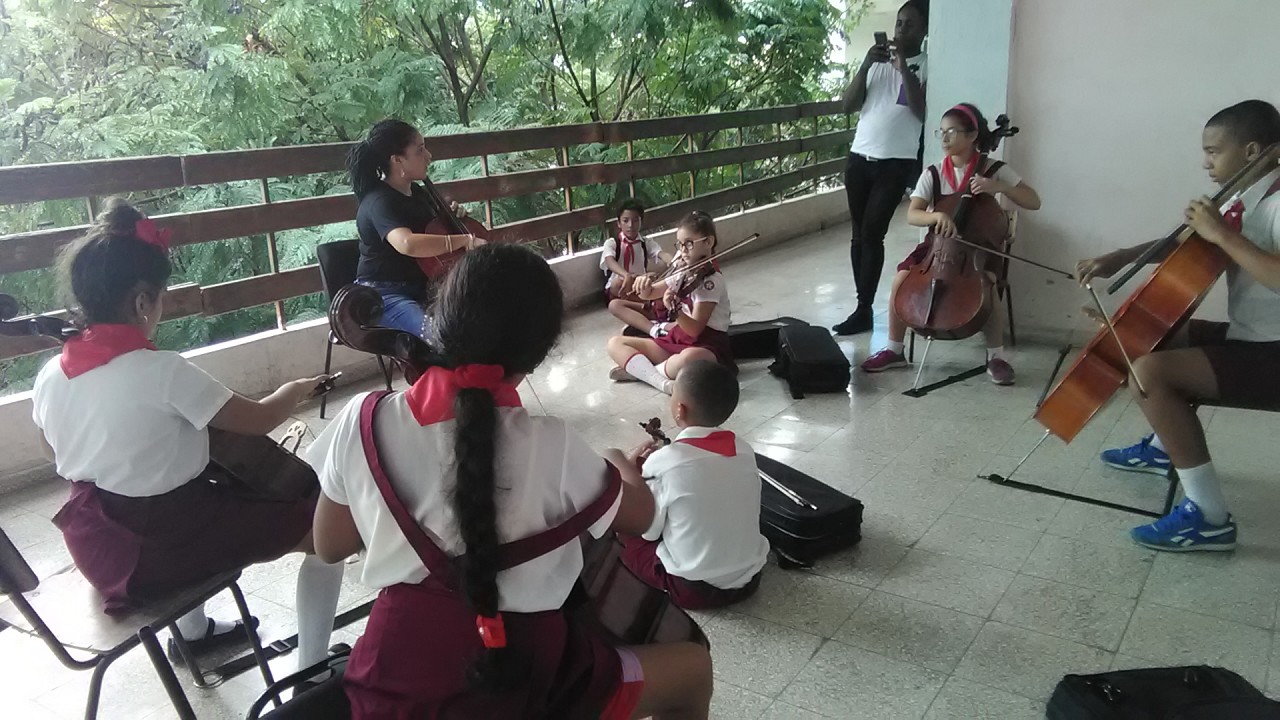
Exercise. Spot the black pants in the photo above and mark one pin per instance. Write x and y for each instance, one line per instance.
(874, 189)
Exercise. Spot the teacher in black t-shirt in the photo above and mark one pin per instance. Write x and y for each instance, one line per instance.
(392, 220)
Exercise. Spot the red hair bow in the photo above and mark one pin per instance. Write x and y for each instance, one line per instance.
(148, 232)
(493, 632)
(482, 377)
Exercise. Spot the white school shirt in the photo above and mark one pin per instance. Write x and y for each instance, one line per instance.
(886, 126)
(136, 426)
(545, 473)
(707, 511)
(1254, 308)
(654, 252)
(710, 289)
(925, 191)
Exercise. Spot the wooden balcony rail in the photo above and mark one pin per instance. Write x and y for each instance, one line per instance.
(94, 179)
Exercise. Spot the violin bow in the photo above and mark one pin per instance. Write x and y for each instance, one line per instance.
(710, 259)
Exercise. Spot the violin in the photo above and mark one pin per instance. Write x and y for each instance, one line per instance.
(948, 296)
(446, 223)
(608, 595)
(692, 274)
(254, 464)
(1153, 313)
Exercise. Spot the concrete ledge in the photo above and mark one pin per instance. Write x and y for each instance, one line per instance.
(257, 364)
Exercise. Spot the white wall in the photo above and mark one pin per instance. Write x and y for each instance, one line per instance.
(258, 364)
(1111, 97)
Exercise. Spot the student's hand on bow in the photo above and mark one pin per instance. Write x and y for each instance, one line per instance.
(990, 186)
(642, 285)
(1204, 218)
(1103, 266)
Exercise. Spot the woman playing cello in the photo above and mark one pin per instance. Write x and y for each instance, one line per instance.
(385, 168)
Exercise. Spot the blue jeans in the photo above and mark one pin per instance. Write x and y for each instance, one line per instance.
(404, 307)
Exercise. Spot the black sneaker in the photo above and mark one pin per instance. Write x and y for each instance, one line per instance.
(210, 642)
(858, 322)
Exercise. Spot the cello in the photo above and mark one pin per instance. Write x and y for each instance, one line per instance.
(607, 595)
(446, 223)
(948, 295)
(1153, 313)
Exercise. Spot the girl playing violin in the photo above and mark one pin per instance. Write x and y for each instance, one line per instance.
(699, 302)
(965, 139)
(392, 220)
(127, 424)
(469, 511)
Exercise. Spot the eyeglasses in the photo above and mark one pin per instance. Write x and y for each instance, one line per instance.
(949, 133)
(688, 244)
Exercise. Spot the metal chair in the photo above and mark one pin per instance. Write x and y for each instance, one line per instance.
(326, 701)
(65, 613)
(338, 263)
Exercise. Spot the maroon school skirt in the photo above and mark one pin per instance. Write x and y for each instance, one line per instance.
(717, 341)
(412, 661)
(641, 558)
(135, 549)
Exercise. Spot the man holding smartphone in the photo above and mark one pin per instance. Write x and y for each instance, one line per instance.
(888, 94)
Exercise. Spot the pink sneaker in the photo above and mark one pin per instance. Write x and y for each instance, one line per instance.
(1000, 372)
(884, 360)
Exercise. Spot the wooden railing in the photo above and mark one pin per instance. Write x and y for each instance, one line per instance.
(95, 179)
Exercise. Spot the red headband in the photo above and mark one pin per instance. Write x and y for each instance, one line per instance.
(973, 118)
(149, 233)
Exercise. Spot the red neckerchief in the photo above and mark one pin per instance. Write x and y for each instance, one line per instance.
(100, 344)
(431, 398)
(628, 250)
(1234, 216)
(949, 167)
(720, 442)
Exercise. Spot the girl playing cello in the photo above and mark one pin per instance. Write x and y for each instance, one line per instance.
(469, 510)
(699, 300)
(127, 424)
(965, 140)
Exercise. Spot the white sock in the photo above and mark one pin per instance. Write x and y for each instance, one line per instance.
(995, 352)
(1155, 443)
(319, 584)
(641, 369)
(195, 625)
(1202, 488)
(896, 347)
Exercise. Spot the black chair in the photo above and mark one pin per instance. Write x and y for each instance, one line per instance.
(338, 262)
(326, 701)
(65, 612)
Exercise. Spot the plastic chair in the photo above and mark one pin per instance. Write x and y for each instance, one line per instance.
(65, 612)
(338, 263)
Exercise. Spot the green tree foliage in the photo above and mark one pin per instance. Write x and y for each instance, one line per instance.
(117, 78)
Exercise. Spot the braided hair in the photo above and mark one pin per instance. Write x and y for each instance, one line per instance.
(101, 273)
(514, 328)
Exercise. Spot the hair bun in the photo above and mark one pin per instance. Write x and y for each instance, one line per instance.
(119, 217)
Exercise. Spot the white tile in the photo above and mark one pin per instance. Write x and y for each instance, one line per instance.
(792, 434)
(1198, 586)
(864, 564)
(981, 541)
(848, 682)
(950, 582)
(1089, 617)
(1119, 570)
(1171, 637)
(729, 702)
(985, 500)
(897, 522)
(910, 631)
(965, 700)
(756, 654)
(1026, 663)
(782, 711)
(803, 601)
(1096, 524)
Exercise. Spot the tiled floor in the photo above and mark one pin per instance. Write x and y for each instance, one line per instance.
(964, 600)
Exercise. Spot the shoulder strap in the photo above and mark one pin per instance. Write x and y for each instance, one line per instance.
(937, 184)
(993, 167)
(511, 554)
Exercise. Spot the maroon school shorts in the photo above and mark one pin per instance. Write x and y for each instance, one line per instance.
(1246, 372)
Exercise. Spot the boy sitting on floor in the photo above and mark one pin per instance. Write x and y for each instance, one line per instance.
(704, 546)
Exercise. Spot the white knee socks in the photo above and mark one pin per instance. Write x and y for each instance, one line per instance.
(640, 368)
(319, 584)
(1203, 488)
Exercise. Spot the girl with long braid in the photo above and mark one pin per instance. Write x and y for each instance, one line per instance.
(385, 168)
(469, 509)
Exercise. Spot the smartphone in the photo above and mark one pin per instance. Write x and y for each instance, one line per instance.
(325, 386)
(882, 39)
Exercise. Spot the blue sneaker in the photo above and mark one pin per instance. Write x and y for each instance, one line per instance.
(1185, 530)
(1141, 457)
